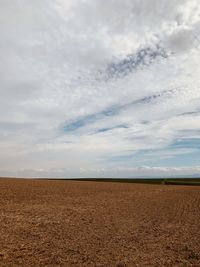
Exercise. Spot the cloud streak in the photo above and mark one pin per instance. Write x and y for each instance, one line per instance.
(92, 86)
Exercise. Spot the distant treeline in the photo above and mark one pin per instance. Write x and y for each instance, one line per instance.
(167, 181)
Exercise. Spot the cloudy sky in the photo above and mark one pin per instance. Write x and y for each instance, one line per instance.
(99, 88)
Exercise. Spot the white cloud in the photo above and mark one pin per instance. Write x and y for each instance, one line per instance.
(54, 72)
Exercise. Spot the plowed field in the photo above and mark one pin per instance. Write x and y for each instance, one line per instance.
(73, 223)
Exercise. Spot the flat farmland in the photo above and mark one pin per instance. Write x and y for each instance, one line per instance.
(82, 223)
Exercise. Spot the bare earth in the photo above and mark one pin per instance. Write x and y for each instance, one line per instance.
(65, 223)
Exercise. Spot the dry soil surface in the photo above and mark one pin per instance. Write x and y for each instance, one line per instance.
(71, 223)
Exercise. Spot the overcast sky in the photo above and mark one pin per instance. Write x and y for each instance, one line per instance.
(99, 88)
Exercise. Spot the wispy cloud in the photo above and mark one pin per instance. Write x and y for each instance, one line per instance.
(95, 87)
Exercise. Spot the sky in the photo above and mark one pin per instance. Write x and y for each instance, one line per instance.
(99, 88)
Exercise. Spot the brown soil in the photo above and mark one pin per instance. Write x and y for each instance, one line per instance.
(71, 223)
